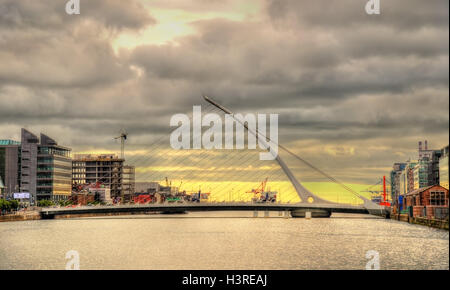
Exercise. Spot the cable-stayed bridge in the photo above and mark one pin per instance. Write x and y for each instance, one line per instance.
(294, 210)
(184, 165)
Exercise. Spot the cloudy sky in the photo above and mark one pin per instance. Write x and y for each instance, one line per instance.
(355, 92)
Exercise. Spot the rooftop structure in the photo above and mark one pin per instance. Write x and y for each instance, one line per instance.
(97, 157)
(7, 142)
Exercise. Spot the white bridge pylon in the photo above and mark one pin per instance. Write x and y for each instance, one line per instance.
(304, 194)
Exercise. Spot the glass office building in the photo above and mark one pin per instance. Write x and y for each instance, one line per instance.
(54, 170)
(422, 174)
(443, 168)
(10, 166)
(45, 168)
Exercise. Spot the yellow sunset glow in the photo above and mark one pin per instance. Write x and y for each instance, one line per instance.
(174, 23)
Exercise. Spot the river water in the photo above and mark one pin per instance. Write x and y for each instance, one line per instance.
(222, 240)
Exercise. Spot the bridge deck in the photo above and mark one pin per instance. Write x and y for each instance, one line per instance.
(179, 207)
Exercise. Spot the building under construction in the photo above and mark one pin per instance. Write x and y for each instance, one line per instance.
(128, 181)
(107, 169)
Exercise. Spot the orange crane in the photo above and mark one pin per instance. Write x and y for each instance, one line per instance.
(261, 187)
(260, 190)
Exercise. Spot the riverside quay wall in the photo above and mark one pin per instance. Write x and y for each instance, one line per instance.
(434, 223)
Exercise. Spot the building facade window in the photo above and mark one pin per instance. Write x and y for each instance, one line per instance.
(437, 198)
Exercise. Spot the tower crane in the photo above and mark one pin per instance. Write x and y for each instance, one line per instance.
(123, 137)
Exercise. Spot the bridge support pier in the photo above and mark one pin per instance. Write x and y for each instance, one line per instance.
(266, 214)
(47, 216)
(380, 212)
(310, 213)
(255, 214)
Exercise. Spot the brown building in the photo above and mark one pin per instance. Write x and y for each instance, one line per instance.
(430, 201)
(82, 198)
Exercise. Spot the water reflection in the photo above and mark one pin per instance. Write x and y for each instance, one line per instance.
(222, 240)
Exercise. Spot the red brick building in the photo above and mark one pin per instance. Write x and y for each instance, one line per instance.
(425, 201)
(82, 198)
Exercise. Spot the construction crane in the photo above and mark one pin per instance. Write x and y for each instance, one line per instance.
(261, 195)
(123, 137)
(168, 184)
(369, 189)
(261, 187)
(379, 193)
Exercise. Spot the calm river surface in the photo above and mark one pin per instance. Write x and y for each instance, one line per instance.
(222, 240)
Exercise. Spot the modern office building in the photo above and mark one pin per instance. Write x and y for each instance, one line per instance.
(430, 158)
(418, 173)
(396, 172)
(2, 187)
(54, 170)
(430, 169)
(443, 168)
(36, 165)
(421, 174)
(28, 160)
(9, 166)
(108, 169)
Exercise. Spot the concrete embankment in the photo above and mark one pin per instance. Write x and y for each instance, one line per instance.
(21, 216)
(36, 215)
(84, 215)
(439, 224)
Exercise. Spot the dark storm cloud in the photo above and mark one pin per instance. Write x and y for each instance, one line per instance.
(350, 14)
(318, 62)
(50, 14)
(41, 45)
(340, 79)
